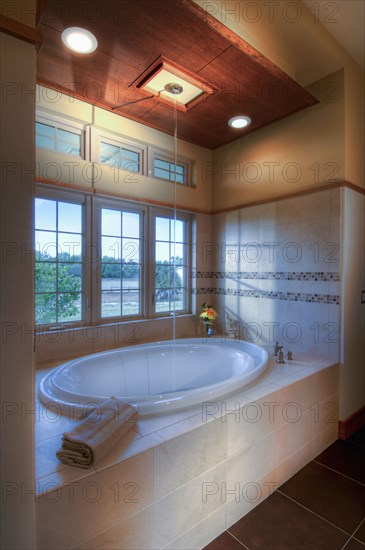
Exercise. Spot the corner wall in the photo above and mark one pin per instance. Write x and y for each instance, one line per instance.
(18, 64)
(352, 371)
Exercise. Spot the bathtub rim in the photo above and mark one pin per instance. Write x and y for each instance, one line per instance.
(171, 402)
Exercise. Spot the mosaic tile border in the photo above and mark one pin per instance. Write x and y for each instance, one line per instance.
(270, 275)
(273, 295)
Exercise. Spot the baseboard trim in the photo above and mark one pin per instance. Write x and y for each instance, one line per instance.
(354, 422)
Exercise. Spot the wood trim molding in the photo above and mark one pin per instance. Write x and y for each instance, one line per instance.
(325, 187)
(101, 192)
(64, 185)
(353, 187)
(19, 30)
(353, 423)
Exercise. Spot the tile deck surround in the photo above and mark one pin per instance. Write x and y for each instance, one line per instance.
(169, 460)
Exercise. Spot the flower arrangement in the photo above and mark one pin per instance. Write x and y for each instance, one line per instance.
(208, 315)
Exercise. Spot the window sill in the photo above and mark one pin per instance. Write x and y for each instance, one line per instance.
(109, 324)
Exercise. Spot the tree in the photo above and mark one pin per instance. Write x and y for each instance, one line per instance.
(130, 269)
(111, 269)
(68, 286)
(165, 274)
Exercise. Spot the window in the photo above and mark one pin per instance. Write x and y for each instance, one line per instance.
(169, 171)
(120, 157)
(170, 263)
(58, 261)
(121, 262)
(101, 260)
(163, 165)
(117, 151)
(59, 137)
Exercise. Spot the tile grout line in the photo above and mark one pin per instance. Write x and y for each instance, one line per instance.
(339, 473)
(356, 530)
(238, 540)
(314, 513)
(358, 527)
(106, 529)
(346, 544)
(353, 536)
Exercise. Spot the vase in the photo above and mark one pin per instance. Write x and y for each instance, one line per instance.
(209, 329)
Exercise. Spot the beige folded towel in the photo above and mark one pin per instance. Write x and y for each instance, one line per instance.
(97, 434)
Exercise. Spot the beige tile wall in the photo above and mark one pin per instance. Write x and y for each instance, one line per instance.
(300, 234)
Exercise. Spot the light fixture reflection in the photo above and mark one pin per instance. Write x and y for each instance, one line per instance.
(79, 40)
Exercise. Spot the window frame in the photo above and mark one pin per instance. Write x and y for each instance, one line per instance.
(119, 205)
(91, 247)
(170, 214)
(98, 136)
(155, 153)
(83, 199)
(63, 124)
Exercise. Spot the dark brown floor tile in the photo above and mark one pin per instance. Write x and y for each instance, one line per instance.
(354, 545)
(358, 437)
(278, 523)
(360, 533)
(344, 457)
(225, 541)
(329, 494)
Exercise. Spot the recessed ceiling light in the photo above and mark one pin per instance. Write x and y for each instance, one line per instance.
(79, 40)
(239, 121)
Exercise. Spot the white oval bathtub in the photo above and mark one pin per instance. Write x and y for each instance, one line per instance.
(156, 377)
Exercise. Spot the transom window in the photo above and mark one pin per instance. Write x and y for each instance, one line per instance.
(58, 261)
(121, 157)
(163, 165)
(169, 171)
(117, 152)
(60, 139)
(111, 149)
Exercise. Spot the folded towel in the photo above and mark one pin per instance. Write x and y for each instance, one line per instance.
(95, 436)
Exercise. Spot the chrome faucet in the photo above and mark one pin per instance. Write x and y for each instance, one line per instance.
(233, 327)
(280, 358)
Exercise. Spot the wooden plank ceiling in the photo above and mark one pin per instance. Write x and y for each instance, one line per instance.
(132, 34)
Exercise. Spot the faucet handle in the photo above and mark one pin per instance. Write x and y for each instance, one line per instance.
(276, 348)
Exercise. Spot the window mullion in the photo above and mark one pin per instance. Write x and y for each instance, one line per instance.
(88, 249)
(150, 264)
(95, 262)
(57, 266)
